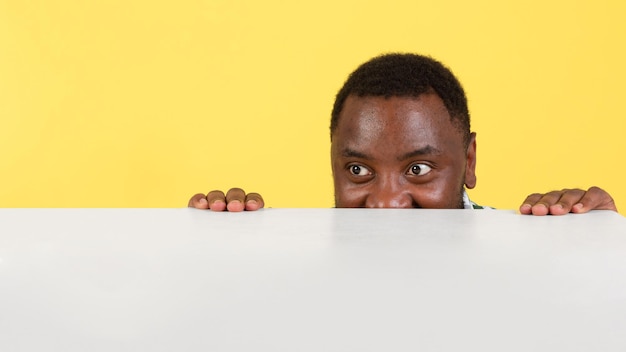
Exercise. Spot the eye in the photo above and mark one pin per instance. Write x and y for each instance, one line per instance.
(419, 169)
(359, 170)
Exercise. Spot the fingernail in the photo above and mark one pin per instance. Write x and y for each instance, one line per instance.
(217, 201)
(217, 205)
(252, 205)
(235, 205)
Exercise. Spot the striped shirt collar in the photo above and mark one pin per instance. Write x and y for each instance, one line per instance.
(468, 204)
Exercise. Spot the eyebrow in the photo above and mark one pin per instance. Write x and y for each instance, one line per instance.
(427, 150)
(351, 153)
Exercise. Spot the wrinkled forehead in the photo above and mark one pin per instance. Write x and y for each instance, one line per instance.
(393, 122)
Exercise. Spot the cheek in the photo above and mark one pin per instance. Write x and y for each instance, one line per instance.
(438, 195)
(348, 196)
(429, 199)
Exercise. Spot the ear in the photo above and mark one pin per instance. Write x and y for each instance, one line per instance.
(470, 166)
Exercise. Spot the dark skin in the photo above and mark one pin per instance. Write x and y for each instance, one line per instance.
(400, 153)
(405, 152)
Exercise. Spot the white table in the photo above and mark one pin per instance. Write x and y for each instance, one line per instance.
(310, 280)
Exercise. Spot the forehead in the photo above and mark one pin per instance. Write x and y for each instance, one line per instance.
(396, 123)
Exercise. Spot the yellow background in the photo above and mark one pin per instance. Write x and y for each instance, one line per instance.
(142, 103)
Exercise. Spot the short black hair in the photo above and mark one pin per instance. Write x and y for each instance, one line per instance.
(406, 75)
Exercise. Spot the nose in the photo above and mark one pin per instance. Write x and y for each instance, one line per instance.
(389, 197)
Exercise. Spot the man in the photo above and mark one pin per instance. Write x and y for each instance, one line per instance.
(400, 138)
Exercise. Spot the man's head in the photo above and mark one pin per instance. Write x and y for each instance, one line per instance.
(400, 136)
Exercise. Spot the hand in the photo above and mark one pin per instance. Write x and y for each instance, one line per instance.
(567, 201)
(234, 200)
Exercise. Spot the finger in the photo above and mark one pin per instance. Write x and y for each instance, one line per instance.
(569, 197)
(526, 207)
(254, 201)
(198, 201)
(216, 200)
(539, 204)
(542, 206)
(594, 199)
(235, 198)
